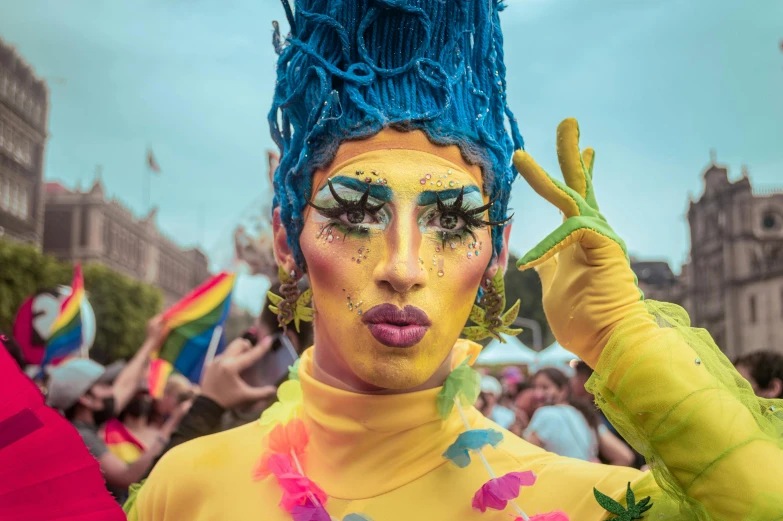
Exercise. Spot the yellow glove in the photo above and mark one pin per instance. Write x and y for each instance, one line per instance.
(588, 284)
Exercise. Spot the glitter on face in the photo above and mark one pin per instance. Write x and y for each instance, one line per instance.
(428, 176)
(423, 181)
(470, 255)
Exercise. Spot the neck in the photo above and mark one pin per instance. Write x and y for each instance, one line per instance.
(329, 368)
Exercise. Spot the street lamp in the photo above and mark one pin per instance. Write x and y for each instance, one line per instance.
(534, 326)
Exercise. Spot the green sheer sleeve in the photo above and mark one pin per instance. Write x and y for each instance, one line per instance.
(715, 449)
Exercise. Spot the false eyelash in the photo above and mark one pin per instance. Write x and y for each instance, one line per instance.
(347, 205)
(468, 215)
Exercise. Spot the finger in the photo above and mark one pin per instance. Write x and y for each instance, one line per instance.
(588, 159)
(544, 185)
(259, 393)
(253, 355)
(569, 157)
(236, 347)
(590, 232)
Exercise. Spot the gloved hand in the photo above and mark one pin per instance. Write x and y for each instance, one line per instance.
(588, 284)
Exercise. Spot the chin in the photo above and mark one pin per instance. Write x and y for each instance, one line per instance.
(395, 368)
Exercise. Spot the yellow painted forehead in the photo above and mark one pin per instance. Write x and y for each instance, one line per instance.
(394, 153)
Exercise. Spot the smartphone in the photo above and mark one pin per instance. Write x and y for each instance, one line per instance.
(272, 368)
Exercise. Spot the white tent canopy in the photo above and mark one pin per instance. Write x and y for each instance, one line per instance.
(514, 352)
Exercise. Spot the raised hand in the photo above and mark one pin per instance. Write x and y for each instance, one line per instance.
(588, 285)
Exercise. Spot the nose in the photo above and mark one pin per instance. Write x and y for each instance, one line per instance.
(401, 270)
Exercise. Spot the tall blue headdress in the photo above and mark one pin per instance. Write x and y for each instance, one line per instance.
(350, 68)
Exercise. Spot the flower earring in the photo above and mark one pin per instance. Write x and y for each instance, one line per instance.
(488, 314)
(292, 306)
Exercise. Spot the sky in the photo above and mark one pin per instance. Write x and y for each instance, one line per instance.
(655, 85)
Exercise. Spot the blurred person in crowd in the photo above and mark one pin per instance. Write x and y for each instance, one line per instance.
(609, 443)
(525, 402)
(510, 377)
(764, 371)
(222, 389)
(131, 434)
(90, 395)
(493, 409)
(178, 390)
(570, 427)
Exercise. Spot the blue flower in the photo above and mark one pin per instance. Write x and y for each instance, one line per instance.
(459, 451)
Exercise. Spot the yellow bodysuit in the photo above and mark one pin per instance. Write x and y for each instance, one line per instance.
(381, 455)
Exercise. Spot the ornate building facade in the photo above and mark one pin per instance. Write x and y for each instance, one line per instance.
(732, 284)
(24, 108)
(86, 226)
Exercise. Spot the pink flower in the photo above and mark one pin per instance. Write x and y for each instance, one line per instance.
(497, 492)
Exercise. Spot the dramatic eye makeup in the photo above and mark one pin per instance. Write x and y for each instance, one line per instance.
(453, 214)
(351, 213)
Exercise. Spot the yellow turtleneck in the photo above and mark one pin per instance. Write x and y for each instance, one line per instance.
(379, 455)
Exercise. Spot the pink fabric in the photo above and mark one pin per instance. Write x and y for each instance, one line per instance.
(557, 515)
(46, 472)
(497, 492)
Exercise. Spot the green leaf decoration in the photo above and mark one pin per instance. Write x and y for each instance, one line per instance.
(500, 287)
(463, 382)
(511, 315)
(273, 298)
(633, 510)
(293, 370)
(487, 327)
(477, 314)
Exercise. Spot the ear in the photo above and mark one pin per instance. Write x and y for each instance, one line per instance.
(283, 255)
(499, 261)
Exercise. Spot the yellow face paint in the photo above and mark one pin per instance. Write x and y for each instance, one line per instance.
(394, 278)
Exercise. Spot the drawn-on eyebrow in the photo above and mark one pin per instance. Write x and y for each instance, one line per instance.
(427, 198)
(379, 192)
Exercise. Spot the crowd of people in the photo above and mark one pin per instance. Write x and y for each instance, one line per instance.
(550, 408)
(555, 411)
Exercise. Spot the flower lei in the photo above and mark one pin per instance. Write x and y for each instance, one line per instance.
(287, 442)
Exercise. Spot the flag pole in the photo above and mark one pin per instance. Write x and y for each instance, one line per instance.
(213, 345)
(147, 182)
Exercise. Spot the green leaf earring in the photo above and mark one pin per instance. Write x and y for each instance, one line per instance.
(292, 306)
(488, 313)
(633, 511)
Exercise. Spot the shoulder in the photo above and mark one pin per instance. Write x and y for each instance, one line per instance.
(188, 471)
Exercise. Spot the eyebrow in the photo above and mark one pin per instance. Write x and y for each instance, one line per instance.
(429, 197)
(380, 192)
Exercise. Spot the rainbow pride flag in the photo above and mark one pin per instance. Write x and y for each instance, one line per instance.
(191, 323)
(158, 376)
(66, 333)
(121, 442)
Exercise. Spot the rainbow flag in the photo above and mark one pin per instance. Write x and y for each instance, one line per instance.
(158, 376)
(121, 442)
(191, 323)
(66, 333)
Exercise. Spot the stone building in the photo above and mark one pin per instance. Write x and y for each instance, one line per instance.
(24, 108)
(732, 284)
(86, 226)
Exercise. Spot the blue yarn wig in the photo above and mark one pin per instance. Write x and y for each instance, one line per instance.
(350, 68)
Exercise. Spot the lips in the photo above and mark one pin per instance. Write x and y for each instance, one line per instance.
(396, 327)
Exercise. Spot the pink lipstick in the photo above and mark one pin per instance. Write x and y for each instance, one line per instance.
(396, 327)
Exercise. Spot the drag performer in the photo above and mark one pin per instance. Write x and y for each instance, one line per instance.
(398, 152)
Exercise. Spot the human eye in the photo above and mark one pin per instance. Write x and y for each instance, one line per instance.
(456, 218)
(352, 214)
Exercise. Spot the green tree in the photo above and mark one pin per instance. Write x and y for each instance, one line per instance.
(122, 308)
(122, 305)
(525, 286)
(23, 271)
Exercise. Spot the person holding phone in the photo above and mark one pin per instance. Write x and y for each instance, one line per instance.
(222, 389)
